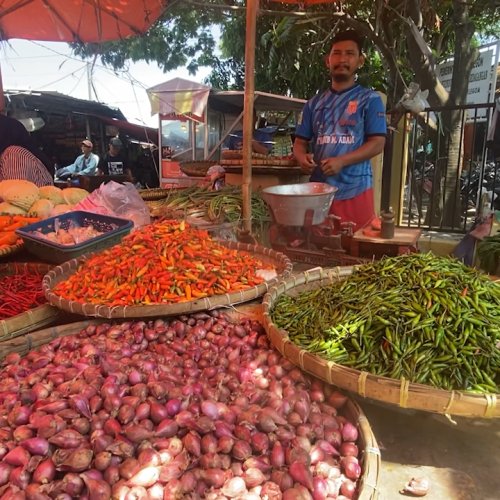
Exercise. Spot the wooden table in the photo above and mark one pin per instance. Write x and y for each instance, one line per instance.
(405, 241)
(265, 175)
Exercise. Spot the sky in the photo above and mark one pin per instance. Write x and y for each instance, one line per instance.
(50, 66)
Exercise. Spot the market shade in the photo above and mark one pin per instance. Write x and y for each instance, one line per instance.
(75, 20)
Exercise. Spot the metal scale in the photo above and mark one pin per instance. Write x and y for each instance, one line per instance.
(302, 227)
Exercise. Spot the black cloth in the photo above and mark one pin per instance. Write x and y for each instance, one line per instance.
(113, 165)
(13, 133)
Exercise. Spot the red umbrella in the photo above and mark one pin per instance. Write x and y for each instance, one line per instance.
(76, 20)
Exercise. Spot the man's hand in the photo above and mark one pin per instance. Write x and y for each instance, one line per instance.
(331, 166)
(307, 163)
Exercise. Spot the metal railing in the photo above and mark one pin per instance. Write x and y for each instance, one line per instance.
(449, 175)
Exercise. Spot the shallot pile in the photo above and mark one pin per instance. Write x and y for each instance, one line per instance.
(190, 407)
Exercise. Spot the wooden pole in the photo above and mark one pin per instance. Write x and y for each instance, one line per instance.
(251, 24)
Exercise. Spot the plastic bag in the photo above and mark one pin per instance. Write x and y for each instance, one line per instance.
(120, 200)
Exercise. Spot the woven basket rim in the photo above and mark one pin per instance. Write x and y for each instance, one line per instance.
(32, 319)
(61, 272)
(11, 249)
(402, 393)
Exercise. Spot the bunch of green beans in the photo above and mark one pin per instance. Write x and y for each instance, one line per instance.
(217, 206)
(428, 319)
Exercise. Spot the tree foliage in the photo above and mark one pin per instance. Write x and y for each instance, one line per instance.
(292, 43)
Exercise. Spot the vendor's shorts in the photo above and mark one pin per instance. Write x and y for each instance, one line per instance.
(359, 209)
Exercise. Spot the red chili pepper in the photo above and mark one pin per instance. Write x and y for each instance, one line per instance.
(161, 263)
(20, 292)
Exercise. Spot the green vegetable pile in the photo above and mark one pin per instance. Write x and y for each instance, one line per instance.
(215, 206)
(428, 319)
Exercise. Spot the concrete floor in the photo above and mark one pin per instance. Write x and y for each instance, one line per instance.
(461, 461)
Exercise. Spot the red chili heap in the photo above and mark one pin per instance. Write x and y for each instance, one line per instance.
(20, 292)
(164, 262)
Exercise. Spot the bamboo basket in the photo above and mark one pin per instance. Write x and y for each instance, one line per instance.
(370, 453)
(26, 343)
(60, 273)
(34, 318)
(197, 168)
(402, 393)
(11, 249)
(154, 194)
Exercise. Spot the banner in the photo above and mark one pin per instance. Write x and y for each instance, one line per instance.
(481, 80)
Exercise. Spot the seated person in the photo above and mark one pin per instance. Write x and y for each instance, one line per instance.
(17, 162)
(13, 133)
(85, 164)
(114, 163)
(262, 139)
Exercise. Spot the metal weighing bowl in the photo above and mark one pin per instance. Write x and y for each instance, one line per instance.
(293, 204)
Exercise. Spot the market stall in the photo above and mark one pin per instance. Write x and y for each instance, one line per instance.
(196, 121)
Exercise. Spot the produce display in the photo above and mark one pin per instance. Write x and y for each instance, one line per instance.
(20, 292)
(217, 206)
(8, 226)
(20, 197)
(193, 407)
(165, 262)
(426, 319)
(73, 235)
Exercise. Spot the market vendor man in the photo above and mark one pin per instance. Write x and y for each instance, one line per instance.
(345, 127)
(114, 162)
(84, 164)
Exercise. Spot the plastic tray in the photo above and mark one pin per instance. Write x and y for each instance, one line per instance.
(114, 229)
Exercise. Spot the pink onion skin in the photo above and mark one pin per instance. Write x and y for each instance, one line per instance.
(320, 488)
(301, 474)
(97, 489)
(348, 488)
(146, 477)
(349, 432)
(347, 448)
(18, 456)
(44, 472)
(19, 477)
(36, 446)
(5, 470)
(278, 455)
(352, 470)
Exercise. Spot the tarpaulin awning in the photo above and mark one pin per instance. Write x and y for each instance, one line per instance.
(179, 97)
(263, 101)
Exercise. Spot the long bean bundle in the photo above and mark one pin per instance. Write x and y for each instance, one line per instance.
(217, 206)
(428, 319)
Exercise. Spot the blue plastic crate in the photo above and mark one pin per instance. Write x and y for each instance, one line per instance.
(114, 230)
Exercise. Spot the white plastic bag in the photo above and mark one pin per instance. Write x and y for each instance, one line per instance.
(120, 200)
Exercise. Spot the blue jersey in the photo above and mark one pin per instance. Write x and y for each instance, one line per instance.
(338, 123)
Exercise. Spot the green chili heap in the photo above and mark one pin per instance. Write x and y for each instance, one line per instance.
(428, 319)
